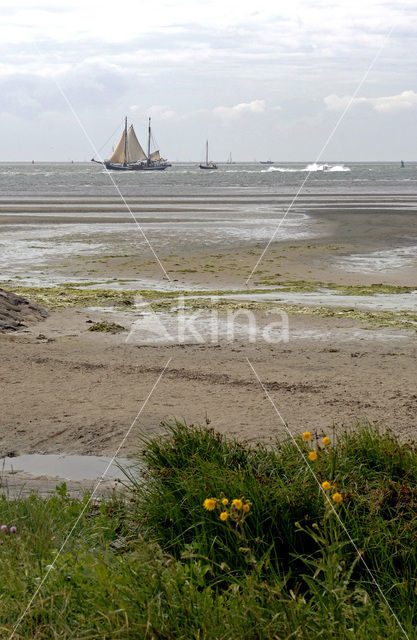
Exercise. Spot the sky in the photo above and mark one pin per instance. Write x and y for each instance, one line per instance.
(262, 80)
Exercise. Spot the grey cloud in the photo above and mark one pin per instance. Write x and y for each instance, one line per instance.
(184, 71)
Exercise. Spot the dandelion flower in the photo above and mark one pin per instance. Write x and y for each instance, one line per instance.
(325, 485)
(246, 508)
(224, 515)
(209, 504)
(326, 441)
(312, 455)
(336, 497)
(237, 503)
(225, 502)
(306, 435)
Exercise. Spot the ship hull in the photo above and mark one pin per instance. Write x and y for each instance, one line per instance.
(204, 166)
(111, 166)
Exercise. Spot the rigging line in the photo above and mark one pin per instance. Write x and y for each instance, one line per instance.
(360, 555)
(154, 141)
(324, 147)
(93, 146)
(111, 136)
(100, 480)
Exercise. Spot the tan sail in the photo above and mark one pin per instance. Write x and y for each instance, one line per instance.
(118, 154)
(135, 153)
(130, 156)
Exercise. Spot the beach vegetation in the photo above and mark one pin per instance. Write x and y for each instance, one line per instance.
(213, 538)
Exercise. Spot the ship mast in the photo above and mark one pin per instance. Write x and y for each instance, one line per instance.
(125, 143)
(149, 141)
(206, 151)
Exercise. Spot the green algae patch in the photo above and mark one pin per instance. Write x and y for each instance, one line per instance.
(303, 286)
(373, 319)
(76, 295)
(367, 319)
(55, 298)
(67, 296)
(107, 327)
(63, 297)
(369, 290)
(290, 285)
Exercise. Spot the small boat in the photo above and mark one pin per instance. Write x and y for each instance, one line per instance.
(129, 155)
(208, 164)
(266, 161)
(402, 164)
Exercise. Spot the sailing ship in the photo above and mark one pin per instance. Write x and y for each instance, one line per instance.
(266, 161)
(229, 159)
(129, 155)
(208, 164)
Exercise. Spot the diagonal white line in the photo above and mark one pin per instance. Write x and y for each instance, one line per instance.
(265, 390)
(93, 146)
(324, 147)
(51, 566)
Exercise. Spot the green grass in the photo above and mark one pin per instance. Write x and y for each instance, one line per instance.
(155, 564)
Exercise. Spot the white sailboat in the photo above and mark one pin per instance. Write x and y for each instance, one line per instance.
(208, 164)
(129, 155)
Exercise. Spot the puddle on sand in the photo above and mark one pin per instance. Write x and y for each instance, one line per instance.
(386, 260)
(65, 467)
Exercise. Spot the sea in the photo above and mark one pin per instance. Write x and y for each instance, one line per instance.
(42, 179)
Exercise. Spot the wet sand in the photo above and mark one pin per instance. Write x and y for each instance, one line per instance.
(74, 391)
(212, 242)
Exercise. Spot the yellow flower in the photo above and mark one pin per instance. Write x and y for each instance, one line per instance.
(237, 503)
(225, 502)
(337, 497)
(306, 435)
(325, 485)
(209, 504)
(246, 508)
(326, 441)
(312, 455)
(224, 515)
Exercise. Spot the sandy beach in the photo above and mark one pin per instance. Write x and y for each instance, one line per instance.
(80, 391)
(349, 354)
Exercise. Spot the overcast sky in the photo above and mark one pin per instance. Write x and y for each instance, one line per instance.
(262, 80)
